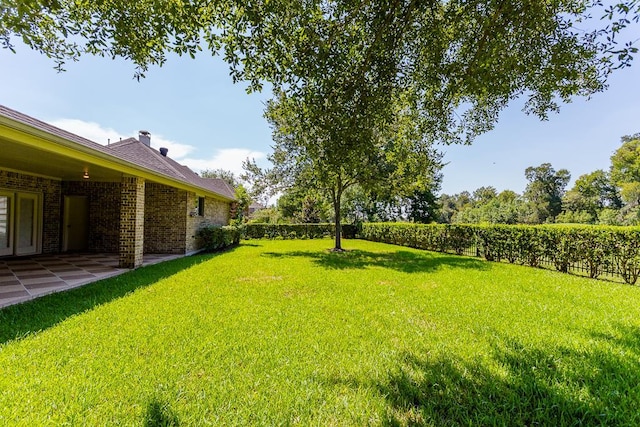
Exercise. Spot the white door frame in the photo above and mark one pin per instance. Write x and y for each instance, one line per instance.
(8, 250)
(35, 245)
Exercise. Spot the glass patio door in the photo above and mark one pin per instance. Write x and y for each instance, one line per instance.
(20, 223)
(27, 224)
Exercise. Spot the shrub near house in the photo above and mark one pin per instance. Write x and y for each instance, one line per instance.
(215, 238)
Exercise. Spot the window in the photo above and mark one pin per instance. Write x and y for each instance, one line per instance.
(200, 206)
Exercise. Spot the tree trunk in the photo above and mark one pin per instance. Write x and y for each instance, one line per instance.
(338, 246)
(337, 196)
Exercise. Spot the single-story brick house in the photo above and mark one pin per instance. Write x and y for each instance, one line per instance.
(60, 193)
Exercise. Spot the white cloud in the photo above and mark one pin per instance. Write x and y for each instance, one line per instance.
(97, 133)
(90, 130)
(176, 150)
(226, 158)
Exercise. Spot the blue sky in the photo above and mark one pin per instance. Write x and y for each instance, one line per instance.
(193, 108)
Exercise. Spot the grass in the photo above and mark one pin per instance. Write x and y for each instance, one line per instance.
(286, 332)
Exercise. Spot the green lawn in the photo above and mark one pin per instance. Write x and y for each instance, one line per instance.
(286, 332)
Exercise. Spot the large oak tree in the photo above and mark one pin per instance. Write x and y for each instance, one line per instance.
(319, 146)
(348, 74)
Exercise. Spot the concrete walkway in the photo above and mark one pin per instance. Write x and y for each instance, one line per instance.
(26, 278)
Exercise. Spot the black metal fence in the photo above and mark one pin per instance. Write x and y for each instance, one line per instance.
(607, 253)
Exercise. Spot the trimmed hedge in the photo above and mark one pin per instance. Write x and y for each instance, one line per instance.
(592, 250)
(215, 238)
(295, 231)
(434, 237)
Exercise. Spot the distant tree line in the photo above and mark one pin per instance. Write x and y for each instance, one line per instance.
(302, 204)
(306, 205)
(609, 197)
(601, 197)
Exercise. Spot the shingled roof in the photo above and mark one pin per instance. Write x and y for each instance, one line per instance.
(131, 151)
(153, 159)
(46, 127)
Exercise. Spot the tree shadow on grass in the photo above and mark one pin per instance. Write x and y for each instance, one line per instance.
(622, 336)
(160, 415)
(537, 387)
(404, 261)
(20, 320)
(527, 386)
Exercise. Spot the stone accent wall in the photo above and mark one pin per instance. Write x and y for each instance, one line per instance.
(51, 203)
(131, 222)
(104, 212)
(165, 219)
(216, 212)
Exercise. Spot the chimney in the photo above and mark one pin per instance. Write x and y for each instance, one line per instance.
(145, 137)
(164, 151)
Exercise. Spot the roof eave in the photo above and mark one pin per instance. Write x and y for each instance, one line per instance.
(46, 141)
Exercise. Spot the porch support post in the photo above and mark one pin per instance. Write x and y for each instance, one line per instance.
(131, 222)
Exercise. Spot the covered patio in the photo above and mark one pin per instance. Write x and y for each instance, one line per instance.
(26, 278)
(64, 194)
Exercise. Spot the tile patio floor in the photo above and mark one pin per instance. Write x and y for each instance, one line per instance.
(26, 278)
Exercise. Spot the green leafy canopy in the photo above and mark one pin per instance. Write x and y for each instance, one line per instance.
(363, 89)
(462, 61)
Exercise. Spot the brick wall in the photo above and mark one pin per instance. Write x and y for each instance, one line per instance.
(165, 219)
(168, 224)
(104, 212)
(51, 203)
(216, 212)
